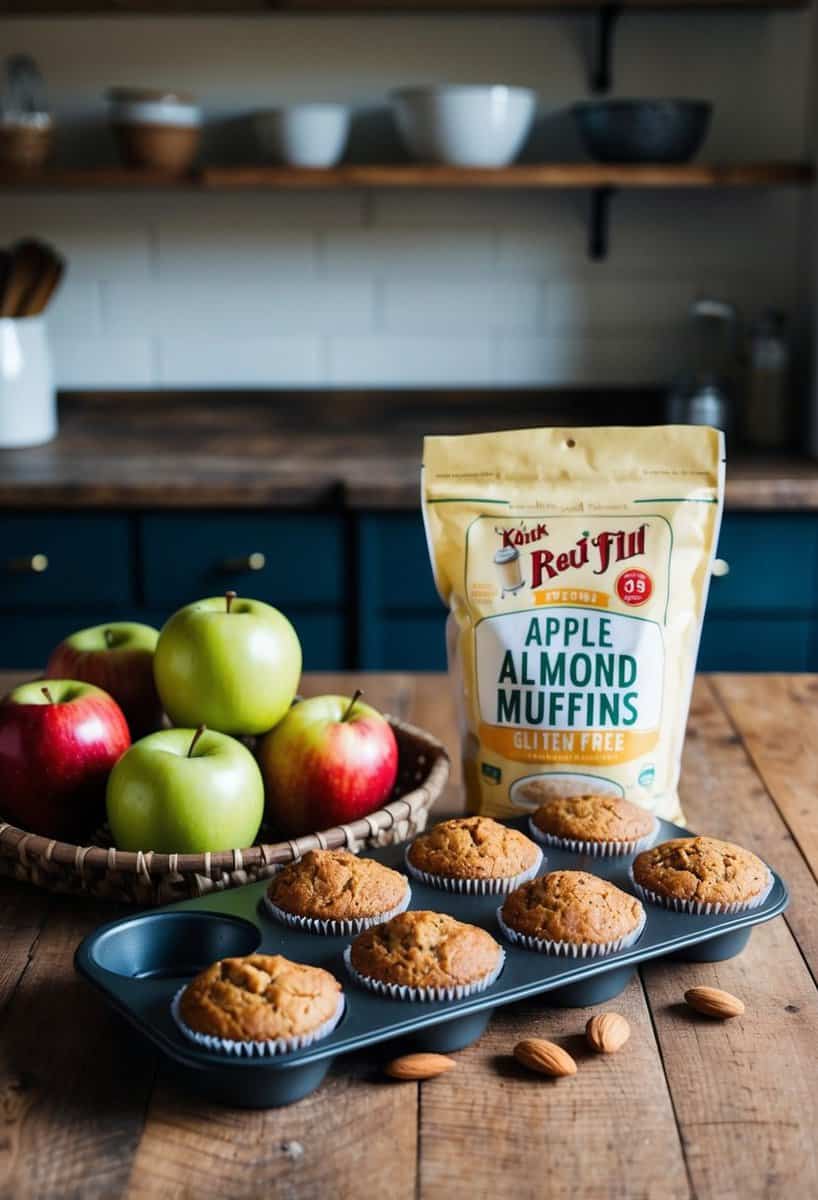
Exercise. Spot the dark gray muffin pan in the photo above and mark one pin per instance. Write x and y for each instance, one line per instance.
(140, 962)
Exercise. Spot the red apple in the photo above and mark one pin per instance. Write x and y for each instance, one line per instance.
(328, 762)
(117, 657)
(58, 742)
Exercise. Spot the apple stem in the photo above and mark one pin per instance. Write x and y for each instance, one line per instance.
(352, 704)
(47, 695)
(229, 597)
(109, 638)
(196, 737)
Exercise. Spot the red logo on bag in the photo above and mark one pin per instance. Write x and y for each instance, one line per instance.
(634, 586)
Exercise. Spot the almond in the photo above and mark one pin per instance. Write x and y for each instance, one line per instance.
(607, 1032)
(713, 1002)
(545, 1057)
(419, 1066)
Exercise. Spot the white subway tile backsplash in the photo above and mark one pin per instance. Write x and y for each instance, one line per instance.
(429, 306)
(103, 362)
(428, 252)
(243, 306)
(410, 287)
(232, 361)
(76, 309)
(410, 361)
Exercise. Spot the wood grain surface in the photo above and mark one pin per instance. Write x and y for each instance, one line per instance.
(255, 177)
(689, 1108)
(315, 449)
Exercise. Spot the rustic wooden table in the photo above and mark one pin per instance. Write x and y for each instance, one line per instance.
(690, 1107)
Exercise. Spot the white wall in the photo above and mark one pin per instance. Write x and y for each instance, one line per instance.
(177, 289)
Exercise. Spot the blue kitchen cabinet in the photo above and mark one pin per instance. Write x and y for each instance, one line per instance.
(400, 616)
(761, 616)
(357, 587)
(294, 561)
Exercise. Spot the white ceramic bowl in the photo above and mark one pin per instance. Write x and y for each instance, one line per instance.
(304, 135)
(464, 125)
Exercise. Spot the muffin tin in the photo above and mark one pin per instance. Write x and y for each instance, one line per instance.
(141, 961)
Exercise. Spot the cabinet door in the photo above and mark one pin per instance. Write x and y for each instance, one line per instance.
(295, 563)
(400, 617)
(773, 561)
(287, 561)
(56, 561)
(742, 643)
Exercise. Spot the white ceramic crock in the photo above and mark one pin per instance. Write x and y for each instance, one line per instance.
(28, 405)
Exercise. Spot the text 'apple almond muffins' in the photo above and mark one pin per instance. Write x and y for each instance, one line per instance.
(475, 855)
(571, 913)
(333, 892)
(601, 826)
(424, 956)
(261, 1004)
(701, 875)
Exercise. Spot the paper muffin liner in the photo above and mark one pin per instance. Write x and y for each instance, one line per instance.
(701, 908)
(396, 991)
(594, 849)
(571, 949)
(340, 928)
(474, 887)
(266, 1049)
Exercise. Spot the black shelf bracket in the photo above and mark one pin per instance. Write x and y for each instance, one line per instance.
(599, 221)
(599, 66)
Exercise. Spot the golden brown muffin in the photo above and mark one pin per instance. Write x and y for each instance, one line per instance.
(594, 819)
(473, 848)
(259, 998)
(425, 950)
(701, 870)
(572, 906)
(334, 885)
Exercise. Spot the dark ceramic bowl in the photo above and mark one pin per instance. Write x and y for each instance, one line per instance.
(643, 131)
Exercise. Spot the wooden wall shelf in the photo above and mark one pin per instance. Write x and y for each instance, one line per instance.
(19, 8)
(537, 176)
(600, 180)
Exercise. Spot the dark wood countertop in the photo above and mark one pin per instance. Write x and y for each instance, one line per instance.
(359, 450)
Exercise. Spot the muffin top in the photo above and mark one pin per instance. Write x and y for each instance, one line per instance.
(473, 848)
(425, 949)
(335, 885)
(701, 869)
(594, 819)
(572, 906)
(259, 998)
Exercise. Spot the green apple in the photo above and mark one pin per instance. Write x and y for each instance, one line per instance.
(184, 791)
(230, 664)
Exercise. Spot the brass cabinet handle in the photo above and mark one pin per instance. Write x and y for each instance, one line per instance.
(721, 567)
(29, 564)
(248, 562)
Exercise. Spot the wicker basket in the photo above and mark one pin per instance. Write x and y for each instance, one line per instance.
(150, 879)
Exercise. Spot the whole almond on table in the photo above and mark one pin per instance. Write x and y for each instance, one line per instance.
(607, 1032)
(545, 1057)
(713, 1002)
(419, 1066)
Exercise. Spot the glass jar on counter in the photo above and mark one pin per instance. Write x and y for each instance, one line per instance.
(769, 414)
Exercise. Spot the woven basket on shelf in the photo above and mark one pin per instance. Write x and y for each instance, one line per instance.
(149, 879)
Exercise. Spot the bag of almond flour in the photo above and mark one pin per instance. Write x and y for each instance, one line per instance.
(576, 565)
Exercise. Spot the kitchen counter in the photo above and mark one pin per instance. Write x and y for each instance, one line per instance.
(358, 450)
(689, 1107)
